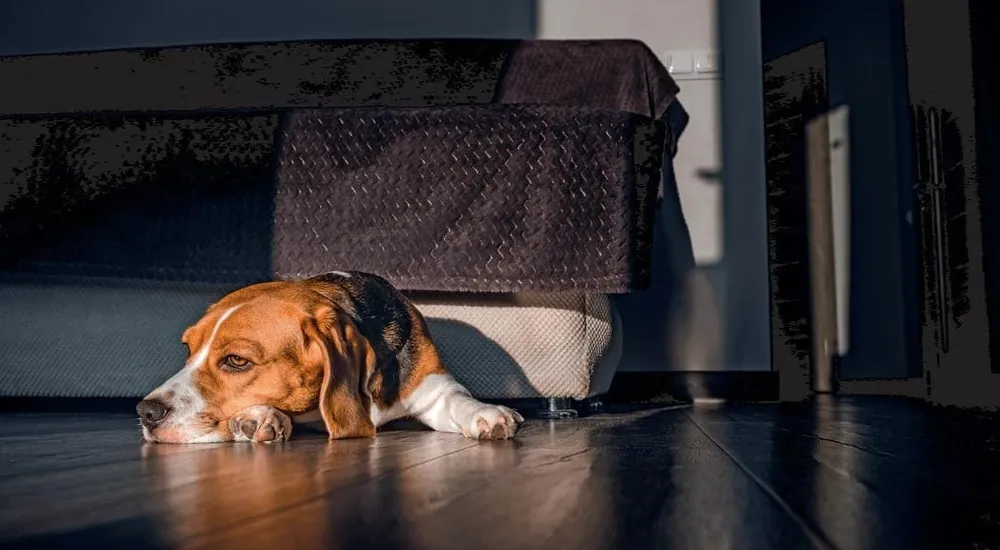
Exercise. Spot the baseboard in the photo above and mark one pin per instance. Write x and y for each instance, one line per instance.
(631, 387)
(68, 404)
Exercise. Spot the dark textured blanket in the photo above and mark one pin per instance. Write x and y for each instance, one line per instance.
(475, 198)
(170, 172)
(619, 75)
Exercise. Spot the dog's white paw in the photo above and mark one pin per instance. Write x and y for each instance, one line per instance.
(493, 422)
(261, 424)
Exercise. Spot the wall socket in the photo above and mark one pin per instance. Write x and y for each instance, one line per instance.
(693, 64)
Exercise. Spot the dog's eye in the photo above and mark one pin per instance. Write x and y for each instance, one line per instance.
(235, 362)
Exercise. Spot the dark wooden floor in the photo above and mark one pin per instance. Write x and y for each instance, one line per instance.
(852, 473)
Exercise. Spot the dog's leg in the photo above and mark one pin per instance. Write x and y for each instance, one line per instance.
(261, 424)
(444, 405)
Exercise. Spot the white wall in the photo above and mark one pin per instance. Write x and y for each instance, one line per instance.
(663, 26)
(722, 321)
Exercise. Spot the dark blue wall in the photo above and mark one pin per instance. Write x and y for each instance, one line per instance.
(43, 26)
(866, 70)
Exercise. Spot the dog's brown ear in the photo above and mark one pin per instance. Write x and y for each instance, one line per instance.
(346, 357)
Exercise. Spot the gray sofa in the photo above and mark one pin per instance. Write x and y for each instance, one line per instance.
(68, 332)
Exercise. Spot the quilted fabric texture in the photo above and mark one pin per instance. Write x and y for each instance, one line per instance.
(526, 345)
(62, 337)
(172, 198)
(164, 168)
(474, 198)
(481, 198)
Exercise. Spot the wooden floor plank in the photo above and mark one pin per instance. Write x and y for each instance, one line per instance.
(170, 483)
(647, 479)
(871, 473)
(846, 473)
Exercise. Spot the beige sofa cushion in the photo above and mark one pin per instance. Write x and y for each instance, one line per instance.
(523, 345)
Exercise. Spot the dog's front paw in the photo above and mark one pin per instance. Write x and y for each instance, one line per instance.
(261, 424)
(494, 422)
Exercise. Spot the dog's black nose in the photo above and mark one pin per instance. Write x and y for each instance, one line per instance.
(151, 412)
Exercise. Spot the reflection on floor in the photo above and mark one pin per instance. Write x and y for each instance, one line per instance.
(845, 473)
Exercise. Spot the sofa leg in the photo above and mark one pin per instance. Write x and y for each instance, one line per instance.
(558, 407)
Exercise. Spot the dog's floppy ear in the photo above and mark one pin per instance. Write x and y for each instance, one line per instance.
(346, 357)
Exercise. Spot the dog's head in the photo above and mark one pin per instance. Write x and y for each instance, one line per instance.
(282, 344)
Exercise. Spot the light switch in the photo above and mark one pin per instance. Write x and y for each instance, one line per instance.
(707, 62)
(680, 62)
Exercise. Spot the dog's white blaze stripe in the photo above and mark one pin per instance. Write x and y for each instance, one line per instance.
(342, 274)
(198, 358)
(182, 379)
(185, 400)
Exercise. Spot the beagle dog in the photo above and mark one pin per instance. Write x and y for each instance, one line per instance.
(345, 352)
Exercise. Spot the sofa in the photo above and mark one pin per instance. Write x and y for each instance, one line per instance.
(170, 176)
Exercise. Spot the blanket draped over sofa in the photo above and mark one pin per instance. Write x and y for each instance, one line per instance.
(237, 163)
(508, 187)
